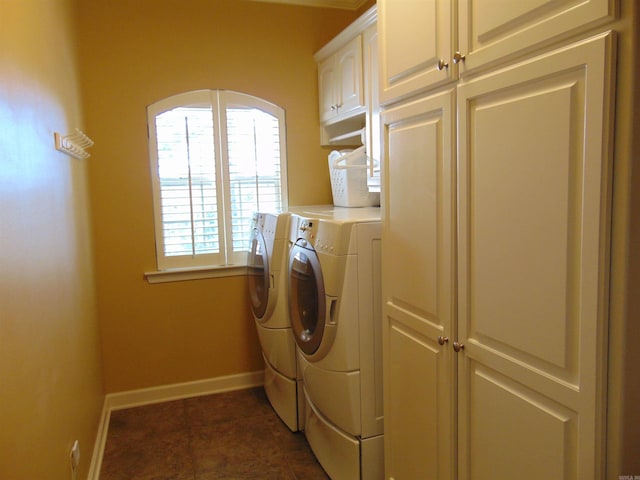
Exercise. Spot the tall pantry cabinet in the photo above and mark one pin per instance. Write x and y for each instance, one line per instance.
(496, 211)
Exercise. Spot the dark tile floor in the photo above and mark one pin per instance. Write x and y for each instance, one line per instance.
(231, 435)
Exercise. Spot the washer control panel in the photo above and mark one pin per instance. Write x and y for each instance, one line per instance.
(320, 235)
(308, 229)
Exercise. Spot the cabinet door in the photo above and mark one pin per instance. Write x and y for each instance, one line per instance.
(414, 38)
(534, 187)
(490, 30)
(373, 132)
(418, 276)
(327, 89)
(349, 78)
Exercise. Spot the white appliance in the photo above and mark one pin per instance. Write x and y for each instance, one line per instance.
(267, 266)
(335, 310)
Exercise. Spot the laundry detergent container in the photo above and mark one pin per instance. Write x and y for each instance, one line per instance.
(348, 172)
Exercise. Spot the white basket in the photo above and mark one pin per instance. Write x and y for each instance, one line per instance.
(348, 172)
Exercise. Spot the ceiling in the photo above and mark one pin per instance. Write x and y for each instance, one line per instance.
(342, 4)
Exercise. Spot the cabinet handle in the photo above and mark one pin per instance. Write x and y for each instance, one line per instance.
(334, 108)
(441, 65)
(458, 57)
(457, 346)
(442, 340)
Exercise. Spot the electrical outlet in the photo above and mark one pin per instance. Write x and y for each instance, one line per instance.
(75, 457)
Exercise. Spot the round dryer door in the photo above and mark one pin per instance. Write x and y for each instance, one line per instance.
(307, 301)
(258, 268)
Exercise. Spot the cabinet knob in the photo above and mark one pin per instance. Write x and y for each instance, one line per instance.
(457, 346)
(442, 340)
(458, 57)
(442, 65)
(334, 108)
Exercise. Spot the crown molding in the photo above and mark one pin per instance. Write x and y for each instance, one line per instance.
(341, 4)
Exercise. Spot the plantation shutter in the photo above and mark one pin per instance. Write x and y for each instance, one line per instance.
(216, 158)
(186, 181)
(254, 150)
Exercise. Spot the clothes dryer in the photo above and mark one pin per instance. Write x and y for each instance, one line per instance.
(335, 310)
(267, 266)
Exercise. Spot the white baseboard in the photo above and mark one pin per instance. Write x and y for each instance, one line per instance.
(164, 393)
(176, 391)
(98, 446)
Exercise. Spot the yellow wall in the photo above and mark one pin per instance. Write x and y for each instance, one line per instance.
(134, 53)
(50, 372)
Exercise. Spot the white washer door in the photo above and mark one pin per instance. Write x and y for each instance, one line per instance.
(258, 268)
(307, 303)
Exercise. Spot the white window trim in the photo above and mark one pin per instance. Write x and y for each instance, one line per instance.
(218, 99)
(193, 273)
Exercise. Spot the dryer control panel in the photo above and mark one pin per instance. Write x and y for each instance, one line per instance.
(324, 236)
(308, 229)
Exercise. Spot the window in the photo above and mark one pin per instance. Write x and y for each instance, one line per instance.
(216, 157)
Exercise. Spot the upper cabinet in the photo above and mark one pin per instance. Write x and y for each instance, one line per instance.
(340, 85)
(423, 44)
(415, 46)
(348, 92)
(489, 31)
(345, 76)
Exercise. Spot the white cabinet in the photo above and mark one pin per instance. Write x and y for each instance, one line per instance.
(415, 45)
(340, 87)
(533, 227)
(348, 91)
(372, 119)
(343, 83)
(490, 31)
(423, 44)
(499, 363)
(418, 275)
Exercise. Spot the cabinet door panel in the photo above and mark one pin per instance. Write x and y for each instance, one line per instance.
(412, 444)
(489, 31)
(418, 244)
(349, 64)
(327, 92)
(534, 176)
(524, 207)
(503, 411)
(414, 36)
(371, 88)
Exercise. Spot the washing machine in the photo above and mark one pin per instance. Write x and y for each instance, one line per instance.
(267, 268)
(336, 316)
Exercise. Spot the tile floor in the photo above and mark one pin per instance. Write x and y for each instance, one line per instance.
(231, 435)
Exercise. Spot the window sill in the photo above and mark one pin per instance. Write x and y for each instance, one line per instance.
(184, 274)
